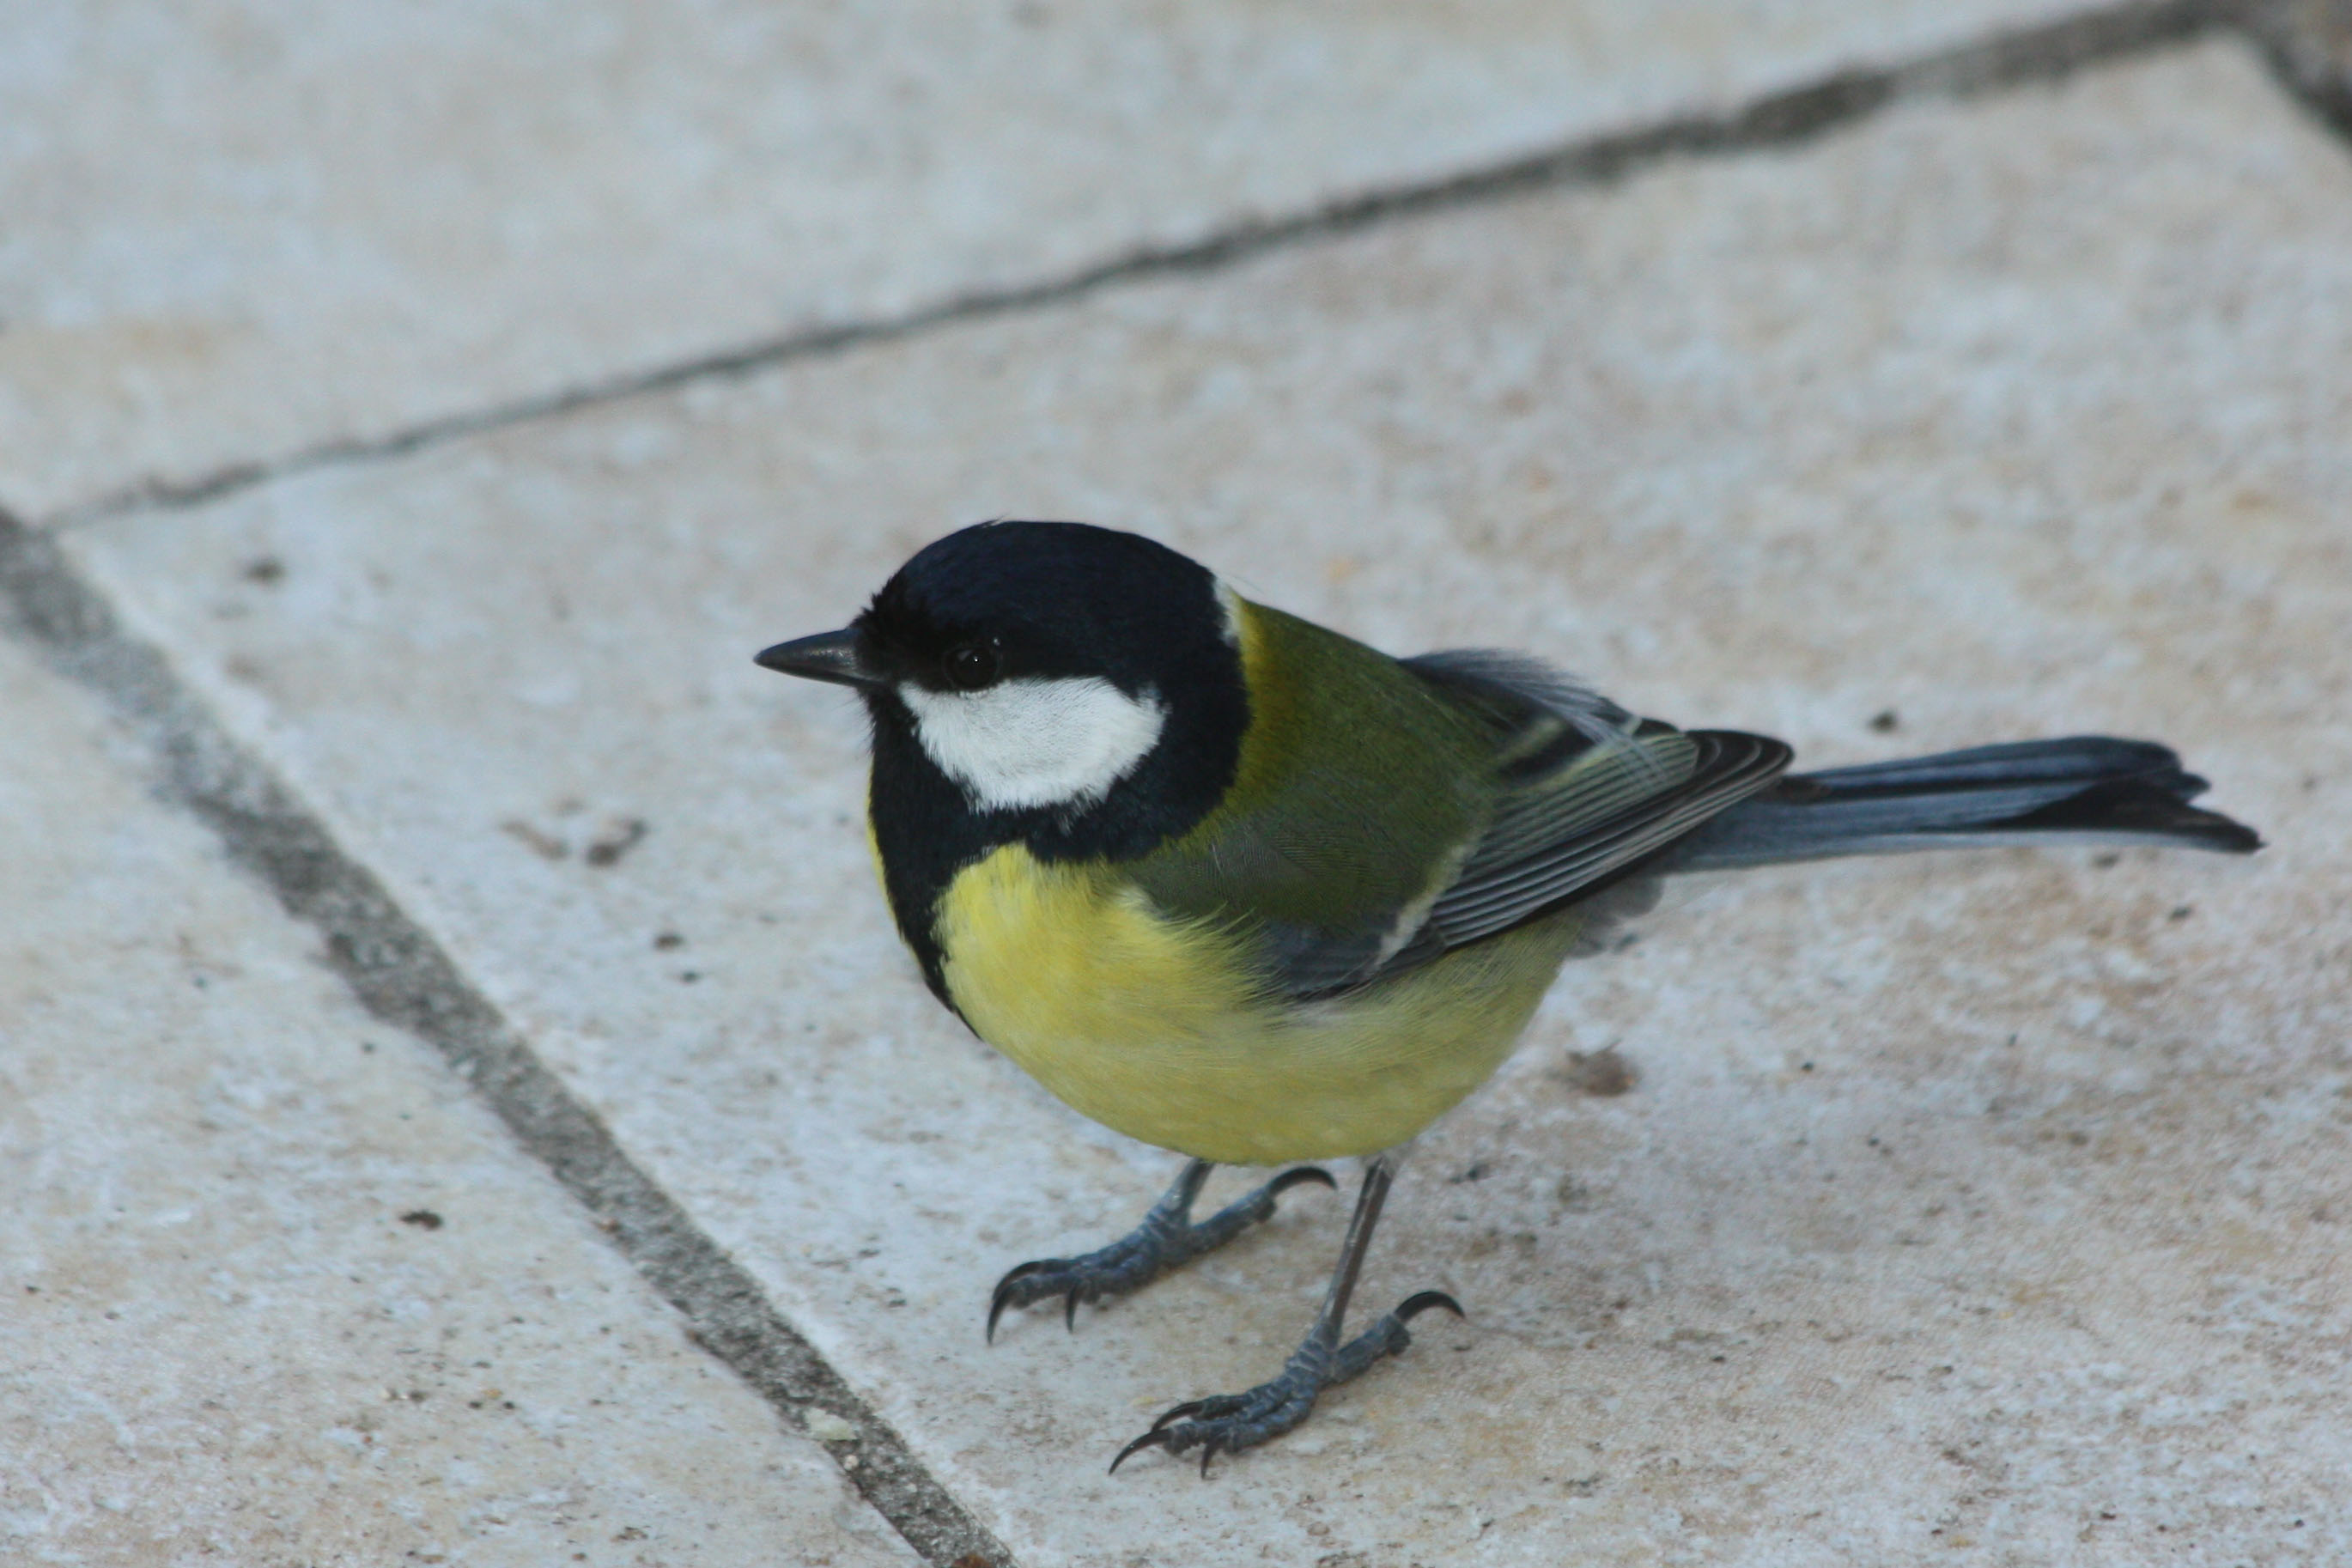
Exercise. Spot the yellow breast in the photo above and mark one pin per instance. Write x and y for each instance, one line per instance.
(1156, 1027)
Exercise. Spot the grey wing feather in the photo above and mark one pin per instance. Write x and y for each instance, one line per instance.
(1584, 790)
(1523, 685)
(1583, 850)
(1587, 789)
(1309, 961)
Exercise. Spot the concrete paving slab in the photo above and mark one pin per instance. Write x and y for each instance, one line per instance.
(274, 1287)
(239, 230)
(1988, 1207)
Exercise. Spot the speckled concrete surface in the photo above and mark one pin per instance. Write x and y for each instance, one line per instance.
(239, 229)
(274, 1289)
(1985, 1208)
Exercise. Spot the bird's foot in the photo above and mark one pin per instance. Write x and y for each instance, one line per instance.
(1166, 1239)
(1228, 1423)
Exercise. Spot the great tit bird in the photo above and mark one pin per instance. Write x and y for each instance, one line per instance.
(1237, 886)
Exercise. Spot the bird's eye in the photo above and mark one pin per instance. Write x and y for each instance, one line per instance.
(972, 666)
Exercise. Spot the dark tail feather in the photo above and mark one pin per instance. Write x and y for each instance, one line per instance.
(2082, 787)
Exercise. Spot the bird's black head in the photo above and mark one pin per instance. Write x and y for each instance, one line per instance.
(1073, 688)
(1008, 603)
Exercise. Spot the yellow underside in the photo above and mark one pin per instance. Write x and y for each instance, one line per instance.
(1153, 1027)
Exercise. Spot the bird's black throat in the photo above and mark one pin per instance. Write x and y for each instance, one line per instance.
(927, 829)
(1043, 601)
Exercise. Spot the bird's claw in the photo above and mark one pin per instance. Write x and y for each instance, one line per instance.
(1227, 1423)
(1295, 1176)
(1388, 1337)
(1191, 1407)
(1162, 1241)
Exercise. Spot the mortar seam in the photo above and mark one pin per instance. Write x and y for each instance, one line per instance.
(2327, 100)
(403, 977)
(2008, 59)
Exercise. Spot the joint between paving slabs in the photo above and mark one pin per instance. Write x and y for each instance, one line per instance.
(403, 978)
(2005, 60)
(2308, 44)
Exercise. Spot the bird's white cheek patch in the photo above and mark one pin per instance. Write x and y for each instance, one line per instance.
(1036, 742)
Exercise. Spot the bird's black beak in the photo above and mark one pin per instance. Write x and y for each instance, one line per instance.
(828, 656)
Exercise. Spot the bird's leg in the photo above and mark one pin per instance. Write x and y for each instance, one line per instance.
(1225, 1423)
(1166, 1238)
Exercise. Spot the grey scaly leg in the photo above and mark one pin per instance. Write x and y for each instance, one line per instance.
(1225, 1423)
(1166, 1238)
